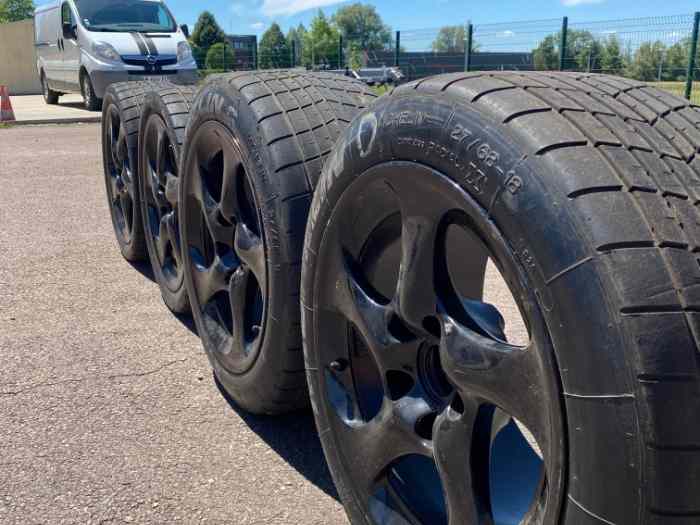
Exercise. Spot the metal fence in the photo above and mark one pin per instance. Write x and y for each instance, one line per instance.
(663, 50)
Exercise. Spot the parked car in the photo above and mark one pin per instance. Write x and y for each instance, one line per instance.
(83, 46)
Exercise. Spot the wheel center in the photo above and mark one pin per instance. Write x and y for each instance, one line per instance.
(432, 375)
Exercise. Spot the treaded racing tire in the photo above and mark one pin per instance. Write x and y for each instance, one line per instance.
(594, 182)
(164, 119)
(121, 116)
(267, 134)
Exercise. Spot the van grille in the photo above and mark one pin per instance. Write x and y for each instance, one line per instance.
(157, 61)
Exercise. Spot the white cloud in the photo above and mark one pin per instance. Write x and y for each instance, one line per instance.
(574, 3)
(290, 7)
(238, 9)
(257, 25)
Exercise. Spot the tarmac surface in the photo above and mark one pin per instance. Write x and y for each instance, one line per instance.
(31, 109)
(108, 409)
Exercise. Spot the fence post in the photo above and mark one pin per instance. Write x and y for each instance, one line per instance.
(691, 58)
(468, 48)
(562, 43)
(340, 51)
(293, 53)
(398, 49)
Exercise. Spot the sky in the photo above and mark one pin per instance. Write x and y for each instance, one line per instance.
(255, 16)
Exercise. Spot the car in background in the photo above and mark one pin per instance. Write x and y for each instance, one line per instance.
(83, 46)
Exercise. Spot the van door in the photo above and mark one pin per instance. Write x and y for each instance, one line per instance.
(69, 47)
(48, 45)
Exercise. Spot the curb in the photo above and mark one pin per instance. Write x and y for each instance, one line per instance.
(35, 122)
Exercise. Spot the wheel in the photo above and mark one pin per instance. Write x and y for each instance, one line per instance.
(253, 153)
(166, 112)
(92, 103)
(50, 96)
(121, 116)
(582, 192)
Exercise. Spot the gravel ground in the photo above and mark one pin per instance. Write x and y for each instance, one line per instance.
(108, 409)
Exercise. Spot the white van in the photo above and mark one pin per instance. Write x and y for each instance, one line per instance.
(82, 46)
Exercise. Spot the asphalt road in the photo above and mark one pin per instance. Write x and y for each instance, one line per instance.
(108, 409)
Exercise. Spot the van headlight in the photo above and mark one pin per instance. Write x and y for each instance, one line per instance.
(106, 52)
(184, 52)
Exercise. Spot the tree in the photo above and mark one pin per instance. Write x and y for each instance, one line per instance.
(450, 39)
(206, 32)
(583, 52)
(647, 61)
(546, 56)
(675, 67)
(15, 10)
(611, 60)
(297, 35)
(220, 56)
(321, 43)
(361, 26)
(274, 49)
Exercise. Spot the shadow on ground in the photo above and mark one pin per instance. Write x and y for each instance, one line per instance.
(295, 438)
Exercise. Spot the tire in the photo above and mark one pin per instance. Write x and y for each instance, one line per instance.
(583, 189)
(50, 96)
(92, 103)
(272, 130)
(121, 116)
(166, 113)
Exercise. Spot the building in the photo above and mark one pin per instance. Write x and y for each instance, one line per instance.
(245, 49)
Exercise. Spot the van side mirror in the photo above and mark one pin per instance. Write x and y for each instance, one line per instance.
(69, 31)
(185, 30)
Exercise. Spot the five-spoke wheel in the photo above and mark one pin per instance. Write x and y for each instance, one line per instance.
(430, 415)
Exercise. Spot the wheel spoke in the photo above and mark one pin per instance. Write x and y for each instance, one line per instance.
(164, 236)
(250, 250)
(211, 280)
(172, 184)
(452, 445)
(416, 298)
(161, 154)
(171, 226)
(230, 200)
(237, 295)
(371, 447)
(504, 375)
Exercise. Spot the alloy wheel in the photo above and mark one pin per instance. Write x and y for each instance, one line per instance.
(160, 184)
(121, 187)
(224, 248)
(436, 417)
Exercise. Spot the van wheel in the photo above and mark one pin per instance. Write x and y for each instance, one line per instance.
(50, 96)
(92, 103)
(121, 116)
(166, 112)
(254, 151)
(582, 191)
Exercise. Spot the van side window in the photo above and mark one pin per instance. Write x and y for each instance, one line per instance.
(66, 14)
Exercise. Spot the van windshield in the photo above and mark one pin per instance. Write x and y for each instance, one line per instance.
(125, 15)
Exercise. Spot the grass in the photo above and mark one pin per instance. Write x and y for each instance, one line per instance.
(678, 88)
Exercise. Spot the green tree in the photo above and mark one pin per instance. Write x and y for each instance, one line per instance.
(647, 61)
(297, 35)
(206, 32)
(583, 52)
(321, 43)
(220, 56)
(546, 55)
(612, 60)
(14, 10)
(675, 67)
(450, 39)
(273, 49)
(362, 27)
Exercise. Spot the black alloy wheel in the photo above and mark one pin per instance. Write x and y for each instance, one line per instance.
(225, 259)
(432, 415)
(119, 171)
(159, 196)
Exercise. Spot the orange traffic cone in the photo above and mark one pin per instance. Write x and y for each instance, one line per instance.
(6, 112)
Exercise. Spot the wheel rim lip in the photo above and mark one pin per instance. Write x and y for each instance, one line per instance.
(172, 274)
(119, 215)
(551, 500)
(212, 131)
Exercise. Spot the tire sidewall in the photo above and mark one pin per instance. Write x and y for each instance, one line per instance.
(175, 298)
(220, 102)
(130, 249)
